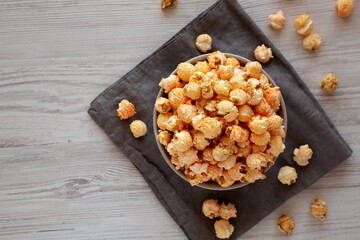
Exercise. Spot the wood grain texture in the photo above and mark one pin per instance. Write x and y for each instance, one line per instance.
(62, 178)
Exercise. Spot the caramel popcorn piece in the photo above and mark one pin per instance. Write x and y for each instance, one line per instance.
(163, 105)
(170, 83)
(211, 208)
(318, 209)
(199, 141)
(182, 141)
(227, 211)
(245, 113)
(278, 20)
(202, 66)
(287, 175)
(260, 139)
(329, 83)
(286, 224)
(216, 59)
(126, 110)
(138, 128)
(221, 152)
(168, 3)
(186, 112)
(164, 137)
(303, 25)
(302, 155)
(203, 43)
(276, 145)
(185, 71)
(312, 42)
(263, 54)
(223, 229)
(177, 96)
(253, 69)
(344, 7)
(226, 72)
(259, 124)
(192, 90)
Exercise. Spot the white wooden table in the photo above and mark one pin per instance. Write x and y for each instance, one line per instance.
(62, 178)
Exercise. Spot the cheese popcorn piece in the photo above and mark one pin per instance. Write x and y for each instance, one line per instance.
(176, 97)
(168, 3)
(163, 105)
(258, 148)
(225, 180)
(228, 163)
(264, 81)
(237, 133)
(329, 83)
(206, 90)
(302, 155)
(182, 141)
(254, 97)
(210, 127)
(214, 172)
(192, 90)
(225, 140)
(186, 112)
(287, 175)
(238, 96)
(189, 157)
(138, 128)
(226, 72)
(224, 107)
(199, 141)
(303, 25)
(126, 109)
(174, 124)
(170, 83)
(211, 106)
(278, 20)
(203, 43)
(222, 87)
(344, 7)
(163, 119)
(233, 62)
(164, 137)
(286, 224)
(223, 229)
(245, 113)
(318, 209)
(216, 59)
(199, 168)
(263, 54)
(259, 124)
(238, 172)
(253, 175)
(185, 70)
(238, 81)
(227, 211)
(207, 156)
(276, 146)
(221, 153)
(275, 122)
(197, 77)
(256, 161)
(279, 132)
(313, 42)
(202, 66)
(253, 69)
(272, 97)
(211, 208)
(260, 139)
(263, 108)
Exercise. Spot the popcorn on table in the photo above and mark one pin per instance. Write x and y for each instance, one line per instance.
(278, 20)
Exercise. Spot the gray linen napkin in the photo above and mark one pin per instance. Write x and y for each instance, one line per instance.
(232, 31)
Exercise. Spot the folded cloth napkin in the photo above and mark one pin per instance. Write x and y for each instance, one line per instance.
(232, 31)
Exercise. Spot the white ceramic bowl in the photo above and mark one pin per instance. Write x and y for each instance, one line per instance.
(210, 185)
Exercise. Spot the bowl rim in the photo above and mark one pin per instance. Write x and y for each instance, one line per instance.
(166, 156)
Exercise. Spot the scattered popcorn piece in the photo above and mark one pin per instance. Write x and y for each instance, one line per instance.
(138, 128)
(170, 83)
(164, 137)
(319, 209)
(185, 70)
(344, 7)
(278, 20)
(286, 224)
(287, 175)
(263, 54)
(163, 105)
(126, 110)
(303, 25)
(203, 43)
(168, 3)
(227, 211)
(312, 42)
(211, 208)
(302, 155)
(329, 83)
(223, 229)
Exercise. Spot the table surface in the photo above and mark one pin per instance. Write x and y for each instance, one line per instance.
(62, 178)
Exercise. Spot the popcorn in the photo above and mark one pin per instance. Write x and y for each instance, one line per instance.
(287, 175)
(302, 155)
(275, 122)
(260, 139)
(226, 72)
(182, 141)
(185, 71)
(222, 87)
(199, 141)
(163, 105)
(192, 90)
(238, 81)
(211, 208)
(164, 137)
(258, 148)
(259, 124)
(238, 172)
(303, 25)
(224, 107)
(263, 54)
(238, 96)
(223, 229)
(197, 77)
(199, 168)
(245, 113)
(276, 146)
(237, 133)
(228, 163)
(221, 153)
(253, 69)
(170, 83)
(168, 3)
(210, 127)
(272, 97)
(186, 112)
(174, 124)
(312, 42)
(208, 157)
(278, 20)
(202, 66)
(227, 211)
(126, 109)
(264, 81)
(206, 90)
(176, 97)
(254, 174)
(188, 158)
(225, 180)
(256, 161)
(203, 43)
(138, 128)
(233, 62)
(286, 224)
(162, 120)
(263, 108)
(211, 106)
(254, 97)
(216, 59)
(318, 209)
(344, 7)
(329, 83)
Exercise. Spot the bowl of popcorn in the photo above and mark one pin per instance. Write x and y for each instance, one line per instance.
(220, 121)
